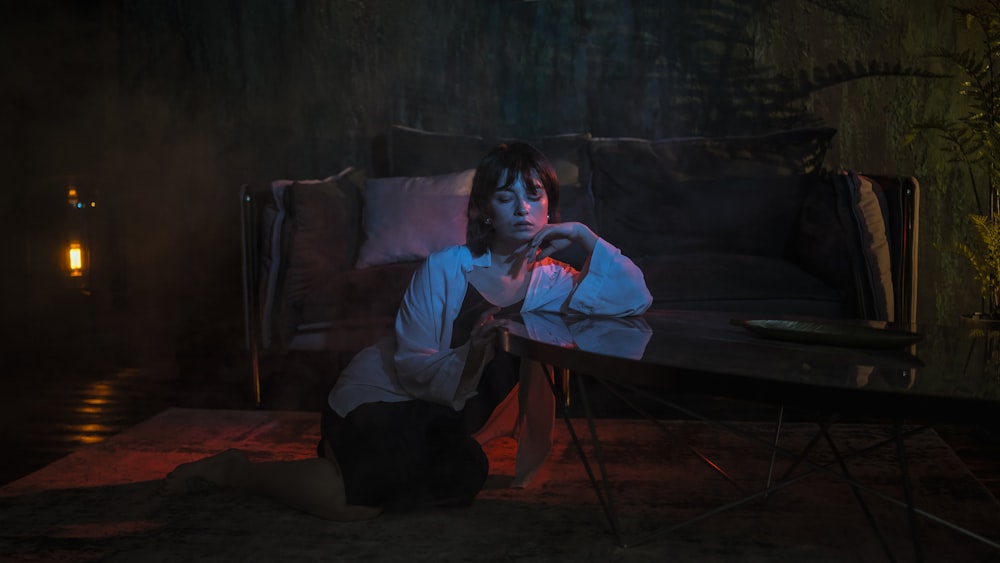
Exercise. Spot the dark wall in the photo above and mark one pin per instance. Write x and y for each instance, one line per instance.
(167, 107)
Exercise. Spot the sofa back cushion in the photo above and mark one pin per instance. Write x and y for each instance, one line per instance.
(698, 194)
(415, 152)
(739, 283)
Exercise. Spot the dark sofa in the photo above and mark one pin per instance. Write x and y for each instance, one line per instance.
(742, 223)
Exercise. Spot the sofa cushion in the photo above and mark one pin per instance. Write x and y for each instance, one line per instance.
(901, 196)
(407, 218)
(843, 238)
(353, 310)
(306, 228)
(702, 194)
(738, 283)
(323, 231)
(318, 237)
(868, 205)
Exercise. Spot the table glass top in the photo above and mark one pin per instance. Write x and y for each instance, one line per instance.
(954, 364)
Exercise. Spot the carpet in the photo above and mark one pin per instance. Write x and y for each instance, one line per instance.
(103, 502)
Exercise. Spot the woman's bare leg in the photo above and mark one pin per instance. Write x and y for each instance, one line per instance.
(312, 485)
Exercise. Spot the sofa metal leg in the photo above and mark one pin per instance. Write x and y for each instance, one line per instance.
(255, 379)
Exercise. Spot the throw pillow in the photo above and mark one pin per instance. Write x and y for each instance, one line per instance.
(407, 218)
(843, 238)
(901, 194)
(866, 205)
(321, 235)
(300, 221)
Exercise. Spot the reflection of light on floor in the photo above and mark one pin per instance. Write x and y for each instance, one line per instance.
(88, 439)
(52, 408)
(98, 396)
(96, 401)
(90, 428)
(90, 433)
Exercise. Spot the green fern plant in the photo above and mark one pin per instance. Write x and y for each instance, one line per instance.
(984, 257)
(972, 140)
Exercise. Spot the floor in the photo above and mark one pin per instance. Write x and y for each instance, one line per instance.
(50, 408)
(103, 502)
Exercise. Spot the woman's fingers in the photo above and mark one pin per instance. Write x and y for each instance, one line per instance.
(484, 323)
(552, 247)
(536, 243)
(488, 314)
(489, 328)
(551, 239)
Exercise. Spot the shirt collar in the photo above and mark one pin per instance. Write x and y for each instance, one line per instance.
(483, 261)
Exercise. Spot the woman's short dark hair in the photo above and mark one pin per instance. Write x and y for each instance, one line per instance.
(506, 162)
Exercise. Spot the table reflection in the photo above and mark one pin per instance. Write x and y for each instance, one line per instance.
(623, 337)
(949, 362)
(961, 361)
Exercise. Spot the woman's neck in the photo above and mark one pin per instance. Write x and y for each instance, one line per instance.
(509, 259)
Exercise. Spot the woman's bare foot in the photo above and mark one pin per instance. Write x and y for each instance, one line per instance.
(217, 471)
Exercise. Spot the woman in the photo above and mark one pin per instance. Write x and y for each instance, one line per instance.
(399, 431)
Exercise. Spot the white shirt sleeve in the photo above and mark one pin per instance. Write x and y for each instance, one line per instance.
(426, 366)
(609, 285)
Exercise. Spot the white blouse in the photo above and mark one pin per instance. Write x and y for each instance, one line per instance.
(417, 362)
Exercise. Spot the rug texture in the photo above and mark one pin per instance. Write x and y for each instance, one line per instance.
(104, 502)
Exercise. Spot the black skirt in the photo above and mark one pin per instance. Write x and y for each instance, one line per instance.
(405, 456)
(415, 454)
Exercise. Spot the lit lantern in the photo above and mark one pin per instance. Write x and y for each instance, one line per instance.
(75, 256)
(77, 260)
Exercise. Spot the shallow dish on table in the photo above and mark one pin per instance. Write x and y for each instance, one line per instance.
(832, 333)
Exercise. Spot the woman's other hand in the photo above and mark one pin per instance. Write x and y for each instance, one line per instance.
(481, 349)
(486, 327)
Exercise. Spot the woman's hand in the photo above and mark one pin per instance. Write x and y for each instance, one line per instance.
(481, 347)
(486, 327)
(556, 236)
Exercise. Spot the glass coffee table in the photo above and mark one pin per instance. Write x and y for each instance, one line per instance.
(841, 369)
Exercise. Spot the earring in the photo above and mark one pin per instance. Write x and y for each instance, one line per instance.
(488, 221)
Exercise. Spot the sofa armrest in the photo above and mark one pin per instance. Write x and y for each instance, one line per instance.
(859, 234)
(261, 217)
(251, 219)
(902, 200)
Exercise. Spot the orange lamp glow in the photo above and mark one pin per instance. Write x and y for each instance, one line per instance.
(75, 256)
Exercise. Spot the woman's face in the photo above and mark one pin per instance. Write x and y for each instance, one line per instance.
(519, 211)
